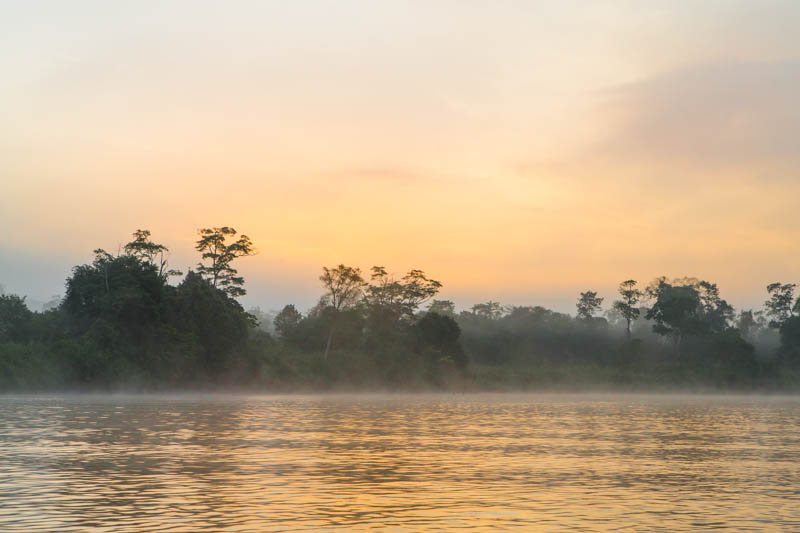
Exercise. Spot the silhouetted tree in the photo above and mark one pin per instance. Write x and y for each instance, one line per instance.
(122, 292)
(790, 340)
(588, 304)
(490, 310)
(212, 244)
(216, 321)
(627, 305)
(344, 288)
(749, 323)
(438, 335)
(146, 250)
(675, 310)
(15, 318)
(265, 320)
(388, 299)
(442, 307)
(779, 306)
(716, 312)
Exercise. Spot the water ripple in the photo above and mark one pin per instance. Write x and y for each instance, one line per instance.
(399, 463)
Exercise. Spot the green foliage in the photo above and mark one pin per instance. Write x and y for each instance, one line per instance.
(675, 311)
(120, 324)
(28, 365)
(749, 323)
(287, 322)
(715, 312)
(438, 337)
(688, 307)
(344, 288)
(779, 306)
(16, 319)
(790, 340)
(217, 322)
(120, 294)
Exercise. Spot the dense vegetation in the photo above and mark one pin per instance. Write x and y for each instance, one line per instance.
(122, 324)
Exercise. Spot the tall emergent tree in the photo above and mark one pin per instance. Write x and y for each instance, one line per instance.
(716, 313)
(779, 306)
(490, 310)
(389, 299)
(749, 322)
(212, 244)
(344, 287)
(627, 305)
(143, 248)
(588, 304)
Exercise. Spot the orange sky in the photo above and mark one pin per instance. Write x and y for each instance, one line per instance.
(516, 151)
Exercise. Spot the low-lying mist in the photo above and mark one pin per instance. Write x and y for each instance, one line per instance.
(124, 325)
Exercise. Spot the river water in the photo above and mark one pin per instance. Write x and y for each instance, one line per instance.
(399, 463)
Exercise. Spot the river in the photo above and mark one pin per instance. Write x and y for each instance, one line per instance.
(436, 462)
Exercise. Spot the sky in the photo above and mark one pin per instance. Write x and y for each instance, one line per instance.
(515, 151)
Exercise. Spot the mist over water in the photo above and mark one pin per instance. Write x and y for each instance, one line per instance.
(399, 463)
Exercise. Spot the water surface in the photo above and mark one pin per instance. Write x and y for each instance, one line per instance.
(399, 463)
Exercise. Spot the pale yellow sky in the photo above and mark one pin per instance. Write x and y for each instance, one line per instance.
(518, 151)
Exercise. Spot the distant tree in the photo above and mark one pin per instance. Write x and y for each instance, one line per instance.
(588, 304)
(287, 321)
(390, 299)
(344, 288)
(749, 323)
(124, 290)
(417, 289)
(626, 306)
(716, 313)
(145, 249)
(15, 318)
(52, 303)
(212, 244)
(442, 307)
(490, 310)
(439, 338)
(264, 320)
(218, 323)
(675, 311)
(779, 306)
(790, 340)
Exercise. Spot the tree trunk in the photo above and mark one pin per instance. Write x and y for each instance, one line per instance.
(328, 346)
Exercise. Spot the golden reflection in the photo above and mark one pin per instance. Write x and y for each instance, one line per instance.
(399, 463)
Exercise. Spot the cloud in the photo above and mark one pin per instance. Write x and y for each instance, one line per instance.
(720, 117)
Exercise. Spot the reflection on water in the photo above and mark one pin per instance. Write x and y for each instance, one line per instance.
(401, 463)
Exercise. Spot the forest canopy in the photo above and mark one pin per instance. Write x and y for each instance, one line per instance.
(128, 320)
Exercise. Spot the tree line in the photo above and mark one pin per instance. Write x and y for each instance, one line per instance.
(122, 323)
